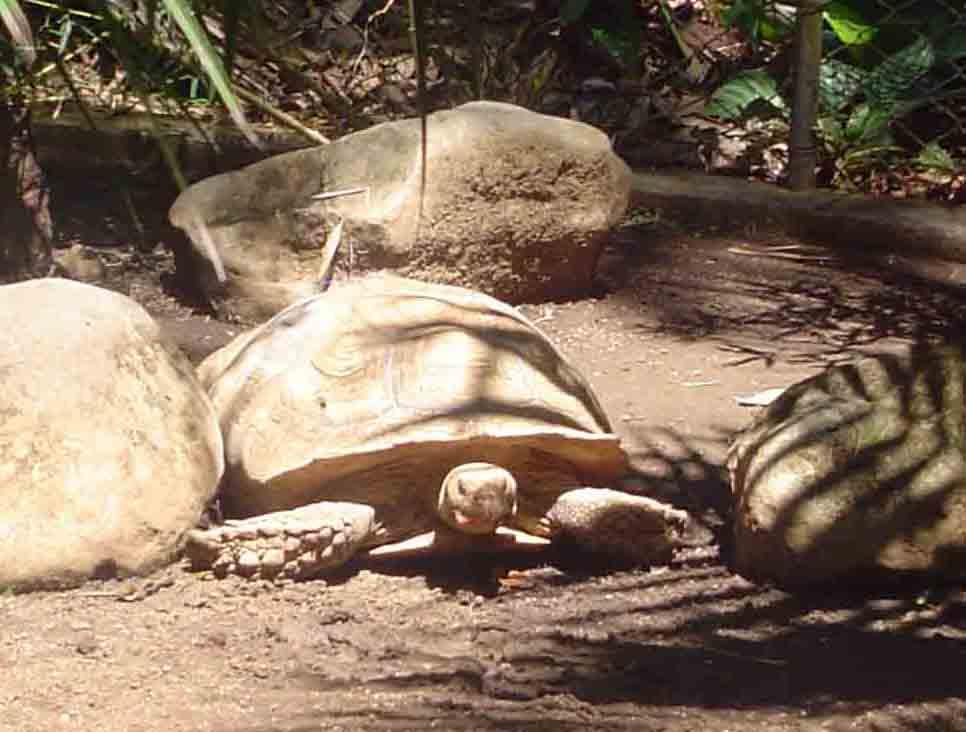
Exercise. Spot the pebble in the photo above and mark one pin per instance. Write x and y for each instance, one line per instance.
(86, 646)
(247, 562)
(273, 560)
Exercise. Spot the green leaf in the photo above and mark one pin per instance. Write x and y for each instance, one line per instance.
(14, 20)
(895, 77)
(832, 131)
(933, 157)
(848, 25)
(838, 83)
(869, 124)
(732, 99)
(776, 27)
(183, 14)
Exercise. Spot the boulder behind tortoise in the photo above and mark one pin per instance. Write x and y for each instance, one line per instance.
(513, 203)
(389, 410)
(858, 470)
(109, 448)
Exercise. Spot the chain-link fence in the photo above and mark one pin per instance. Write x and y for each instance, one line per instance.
(891, 91)
(858, 94)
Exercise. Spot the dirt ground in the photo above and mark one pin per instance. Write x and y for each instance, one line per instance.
(685, 322)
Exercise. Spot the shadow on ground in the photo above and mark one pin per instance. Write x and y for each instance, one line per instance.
(693, 638)
(556, 644)
(766, 296)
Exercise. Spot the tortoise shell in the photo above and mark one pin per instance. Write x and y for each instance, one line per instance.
(373, 391)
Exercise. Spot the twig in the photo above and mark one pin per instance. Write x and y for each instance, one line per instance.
(779, 252)
(286, 119)
(365, 35)
(325, 195)
(328, 254)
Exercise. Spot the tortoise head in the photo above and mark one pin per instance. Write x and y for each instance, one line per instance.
(475, 498)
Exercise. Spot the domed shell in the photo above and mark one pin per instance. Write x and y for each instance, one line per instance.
(373, 391)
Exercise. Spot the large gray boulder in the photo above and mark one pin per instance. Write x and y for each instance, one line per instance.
(514, 203)
(860, 469)
(109, 448)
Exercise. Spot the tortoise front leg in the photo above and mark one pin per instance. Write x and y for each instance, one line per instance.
(297, 544)
(618, 525)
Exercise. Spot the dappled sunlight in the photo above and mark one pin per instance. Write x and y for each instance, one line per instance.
(856, 470)
(698, 639)
(764, 300)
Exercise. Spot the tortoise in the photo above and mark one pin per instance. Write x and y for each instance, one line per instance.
(391, 415)
(857, 471)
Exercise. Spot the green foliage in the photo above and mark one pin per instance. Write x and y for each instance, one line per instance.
(838, 84)
(184, 15)
(758, 20)
(736, 97)
(12, 18)
(933, 157)
(892, 80)
(848, 23)
(140, 52)
(881, 63)
(867, 125)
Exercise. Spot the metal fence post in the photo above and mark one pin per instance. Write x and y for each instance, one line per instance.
(808, 60)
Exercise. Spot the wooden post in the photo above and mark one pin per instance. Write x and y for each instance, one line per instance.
(802, 155)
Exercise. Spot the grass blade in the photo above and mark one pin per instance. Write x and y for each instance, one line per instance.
(13, 18)
(183, 14)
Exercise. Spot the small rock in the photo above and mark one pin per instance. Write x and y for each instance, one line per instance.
(87, 645)
(273, 561)
(217, 638)
(248, 563)
(80, 264)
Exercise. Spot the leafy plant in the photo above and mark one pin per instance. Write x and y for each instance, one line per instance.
(759, 20)
(736, 97)
(884, 66)
(13, 19)
(132, 49)
(933, 157)
(848, 24)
